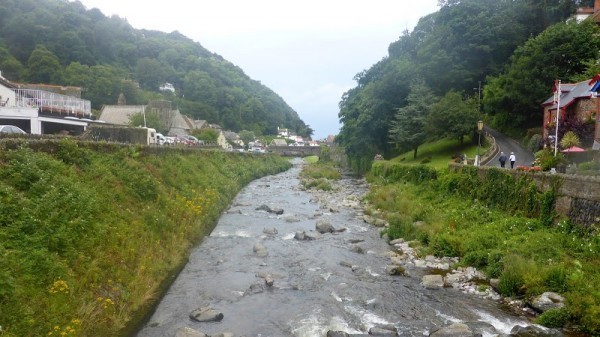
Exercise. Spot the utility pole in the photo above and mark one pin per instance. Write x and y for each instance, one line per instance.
(478, 96)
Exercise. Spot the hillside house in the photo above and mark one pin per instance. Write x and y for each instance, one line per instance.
(578, 101)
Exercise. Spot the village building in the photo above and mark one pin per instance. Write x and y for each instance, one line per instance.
(44, 109)
(576, 102)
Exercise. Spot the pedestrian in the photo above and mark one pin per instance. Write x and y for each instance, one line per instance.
(502, 159)
(512, 159)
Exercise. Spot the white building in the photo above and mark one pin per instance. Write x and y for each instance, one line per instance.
(42, 112)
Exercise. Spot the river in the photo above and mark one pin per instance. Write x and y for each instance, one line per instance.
(337, 282)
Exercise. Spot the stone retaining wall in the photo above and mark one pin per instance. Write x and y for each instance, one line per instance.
(578, 197)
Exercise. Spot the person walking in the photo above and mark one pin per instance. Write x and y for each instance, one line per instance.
(512, 159)
(502, 159)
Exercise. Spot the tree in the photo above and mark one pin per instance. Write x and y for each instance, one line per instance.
(209, 135)
(247, 137)
(150, 120)
(560, 52)
(44, 66)
(452, 117)
(408, 127)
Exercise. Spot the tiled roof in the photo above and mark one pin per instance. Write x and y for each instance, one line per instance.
(119, 114)
(570, 92)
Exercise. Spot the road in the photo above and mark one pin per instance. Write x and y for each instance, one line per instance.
(508, 145)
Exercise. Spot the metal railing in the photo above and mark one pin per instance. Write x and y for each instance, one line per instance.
(50, 102)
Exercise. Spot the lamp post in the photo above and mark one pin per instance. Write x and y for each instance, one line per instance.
(479, 129)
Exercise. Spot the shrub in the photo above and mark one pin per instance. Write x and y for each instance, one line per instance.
(547, 160)
(512, 279)
(556, 279)
(535, 143)
(554, 318)
(444, 245)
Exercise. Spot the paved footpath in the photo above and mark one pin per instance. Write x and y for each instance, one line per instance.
(508, 145)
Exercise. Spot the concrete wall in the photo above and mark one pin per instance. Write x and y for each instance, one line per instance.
(578, 197)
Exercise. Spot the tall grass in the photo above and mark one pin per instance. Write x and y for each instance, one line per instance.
(89, 233)
(507, 234)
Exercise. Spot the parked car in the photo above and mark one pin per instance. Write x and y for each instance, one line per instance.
(169, 140)
(12, 129)
(189, 140)
(160, 139)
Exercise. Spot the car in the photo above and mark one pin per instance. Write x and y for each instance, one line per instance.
(169, 140)
(189, 140)
(160, 139)
(12, 129)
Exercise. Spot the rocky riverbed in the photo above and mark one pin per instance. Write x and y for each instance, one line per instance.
(284, 261)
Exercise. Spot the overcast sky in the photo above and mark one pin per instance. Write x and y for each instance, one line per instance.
(306, 51)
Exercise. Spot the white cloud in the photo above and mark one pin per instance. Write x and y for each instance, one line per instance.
(308, 51)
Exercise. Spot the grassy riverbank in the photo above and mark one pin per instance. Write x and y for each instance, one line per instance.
(89, 231)
(501, 226)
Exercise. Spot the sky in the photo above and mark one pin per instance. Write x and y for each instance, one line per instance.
(307, 52)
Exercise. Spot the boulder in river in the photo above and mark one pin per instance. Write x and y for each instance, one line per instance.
(534, 331)
(432, 281)
(206, 314)
(268, 209)
(270, 231)
(323, 227)
(260, 250)
(546, 301)
(306, 236)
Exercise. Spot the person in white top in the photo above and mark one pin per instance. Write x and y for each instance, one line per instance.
(512, 159)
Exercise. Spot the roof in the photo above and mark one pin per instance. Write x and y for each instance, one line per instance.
(231, 135)
(570, 92)
(120, 114)
(279, 142)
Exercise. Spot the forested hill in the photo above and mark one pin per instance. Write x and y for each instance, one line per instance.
(428, 86)
(61, 42)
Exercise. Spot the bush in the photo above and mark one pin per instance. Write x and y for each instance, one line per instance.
(555, 318)
(512, 280)
(547, 160)
(535, 143)
(590, 166)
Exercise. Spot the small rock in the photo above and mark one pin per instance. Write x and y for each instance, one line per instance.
(433, 281)
(206, 314)
(189, 332)
(395, 270)
(260, 250)
(270, 231)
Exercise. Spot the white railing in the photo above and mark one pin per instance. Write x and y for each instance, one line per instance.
(53, 102)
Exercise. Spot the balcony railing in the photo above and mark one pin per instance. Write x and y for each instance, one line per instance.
(52, 103)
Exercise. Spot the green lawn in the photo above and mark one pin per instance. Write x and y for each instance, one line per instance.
(439, 153)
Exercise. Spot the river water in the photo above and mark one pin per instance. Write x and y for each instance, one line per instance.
(315, 289)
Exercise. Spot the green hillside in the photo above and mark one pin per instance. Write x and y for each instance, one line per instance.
(491, 60)
(60, 42)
